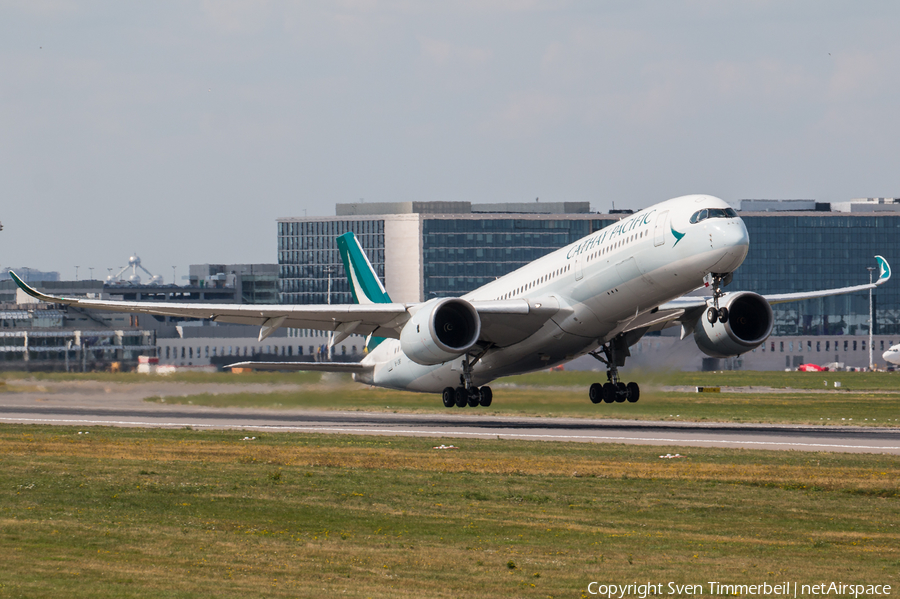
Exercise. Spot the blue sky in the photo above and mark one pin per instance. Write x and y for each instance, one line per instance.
(182, 130)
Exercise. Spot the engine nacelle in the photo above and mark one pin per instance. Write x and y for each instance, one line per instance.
(749, 324)
(441, 330)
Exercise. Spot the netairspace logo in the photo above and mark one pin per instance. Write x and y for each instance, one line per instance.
(716, 588)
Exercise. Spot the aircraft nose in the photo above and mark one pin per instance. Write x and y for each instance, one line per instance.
(741, 235)
(736, 243)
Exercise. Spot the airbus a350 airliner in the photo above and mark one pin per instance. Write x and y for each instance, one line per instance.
(597, 296)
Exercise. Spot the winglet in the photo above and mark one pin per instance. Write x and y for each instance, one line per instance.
(22, 284)
(883, 275)
(34, 292)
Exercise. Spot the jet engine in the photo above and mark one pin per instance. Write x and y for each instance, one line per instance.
(748, 325)
(440, 330)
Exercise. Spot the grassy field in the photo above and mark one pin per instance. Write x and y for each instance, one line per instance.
(850, 381)
(181, 377)
(863, 409)
(161, 513)
(865, 399)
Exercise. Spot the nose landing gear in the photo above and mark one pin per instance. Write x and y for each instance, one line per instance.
(613, 355)
(716, 314)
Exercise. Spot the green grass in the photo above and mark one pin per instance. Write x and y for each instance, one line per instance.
(564, 394)
(852, 381)
(140, 513)
(868, 399)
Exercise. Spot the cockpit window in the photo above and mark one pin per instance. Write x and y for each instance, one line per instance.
(722, 213)
(702, 215)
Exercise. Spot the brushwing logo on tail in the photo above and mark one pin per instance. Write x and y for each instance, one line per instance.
(364, 283)
(884, 271)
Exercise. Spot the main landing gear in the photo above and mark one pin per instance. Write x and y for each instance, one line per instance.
(467, 394)
(462, 397)
(716, 314)
(613, 355)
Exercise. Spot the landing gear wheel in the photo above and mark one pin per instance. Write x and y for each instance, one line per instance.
(449, 397)
(486, 396)
(723, 315)
(462, 397)
(474, 397)
(609, 392)
(632, 392)
(712, 315)
(613, 354)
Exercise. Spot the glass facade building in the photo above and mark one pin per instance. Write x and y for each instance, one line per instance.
(457, 253)
(460, 255)
(792, 252)
(308, 258)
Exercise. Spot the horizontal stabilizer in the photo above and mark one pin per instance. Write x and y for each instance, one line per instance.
(348, 367)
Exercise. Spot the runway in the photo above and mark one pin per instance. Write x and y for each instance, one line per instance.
(476, 425)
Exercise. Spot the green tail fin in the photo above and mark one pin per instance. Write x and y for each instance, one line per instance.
(364, 283)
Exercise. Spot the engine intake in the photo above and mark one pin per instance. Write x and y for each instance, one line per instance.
(749, 324)
(440, 330)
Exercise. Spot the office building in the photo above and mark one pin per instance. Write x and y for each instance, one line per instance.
(423, 250)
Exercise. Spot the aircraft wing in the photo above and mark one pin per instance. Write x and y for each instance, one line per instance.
(884, 273)
(685, 310)
(382, 320)
(503, 322)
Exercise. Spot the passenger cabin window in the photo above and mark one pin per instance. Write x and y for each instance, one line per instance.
(702, 215)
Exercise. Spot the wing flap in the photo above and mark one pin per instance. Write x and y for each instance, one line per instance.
(654, 320)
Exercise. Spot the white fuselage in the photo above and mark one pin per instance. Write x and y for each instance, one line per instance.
(892, 355)
(600, 282)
